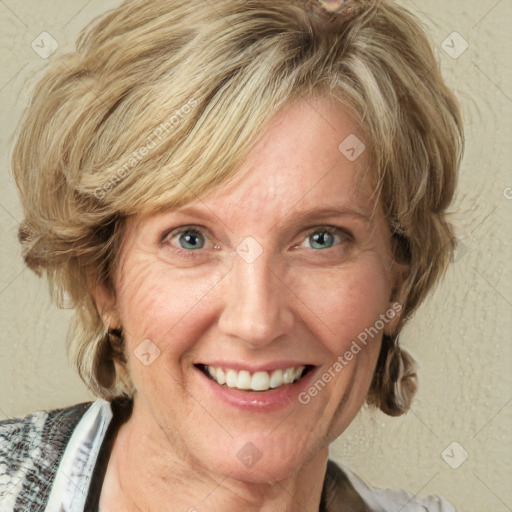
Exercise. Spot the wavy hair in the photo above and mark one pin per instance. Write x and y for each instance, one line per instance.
(161, 103)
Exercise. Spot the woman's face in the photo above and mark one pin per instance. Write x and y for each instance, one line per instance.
(282, 268)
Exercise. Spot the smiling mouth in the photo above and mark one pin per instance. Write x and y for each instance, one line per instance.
(257, 381)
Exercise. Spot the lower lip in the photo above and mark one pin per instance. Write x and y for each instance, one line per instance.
(258, 400)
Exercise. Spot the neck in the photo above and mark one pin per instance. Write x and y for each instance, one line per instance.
(147, 471)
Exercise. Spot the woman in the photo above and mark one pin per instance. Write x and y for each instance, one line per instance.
(245, 202)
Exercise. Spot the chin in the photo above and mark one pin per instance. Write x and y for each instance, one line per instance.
(266, 471)
(258, 459)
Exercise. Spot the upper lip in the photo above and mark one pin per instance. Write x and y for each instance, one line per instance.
(253, 368)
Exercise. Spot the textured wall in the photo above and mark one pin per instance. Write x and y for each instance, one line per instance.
(460, 335)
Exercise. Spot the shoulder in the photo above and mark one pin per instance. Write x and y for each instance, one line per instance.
(383, 500)
(30, 449)
(20, 437)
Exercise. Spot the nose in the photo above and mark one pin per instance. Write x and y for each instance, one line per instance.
(256, 303)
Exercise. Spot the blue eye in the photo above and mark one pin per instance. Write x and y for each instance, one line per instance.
(325, 237)
(190, 237)
(321, 238)
(187, 241)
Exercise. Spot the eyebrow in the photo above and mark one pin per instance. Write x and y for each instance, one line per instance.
(309, 214)
(330, 211)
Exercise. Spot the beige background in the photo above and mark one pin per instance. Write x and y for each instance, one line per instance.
(461, 335)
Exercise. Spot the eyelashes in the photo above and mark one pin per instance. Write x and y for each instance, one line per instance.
(190, 231)
(191, 234)
(332, 231)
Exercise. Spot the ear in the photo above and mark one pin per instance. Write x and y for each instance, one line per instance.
(398, 297)
(105, 301)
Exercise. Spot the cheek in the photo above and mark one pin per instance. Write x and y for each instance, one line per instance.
(160, 303)
(174, 307)
(346, 302)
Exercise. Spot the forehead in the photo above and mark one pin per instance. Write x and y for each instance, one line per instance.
(300, 161)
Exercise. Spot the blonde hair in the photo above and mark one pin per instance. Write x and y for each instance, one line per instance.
(162, 102)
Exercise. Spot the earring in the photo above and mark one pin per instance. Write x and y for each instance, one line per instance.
(115, 340)
(115, 336)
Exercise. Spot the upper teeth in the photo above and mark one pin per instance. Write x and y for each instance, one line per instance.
(258, 381)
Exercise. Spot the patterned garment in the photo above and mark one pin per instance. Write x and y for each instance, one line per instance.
(30, 451)
(55, 461)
